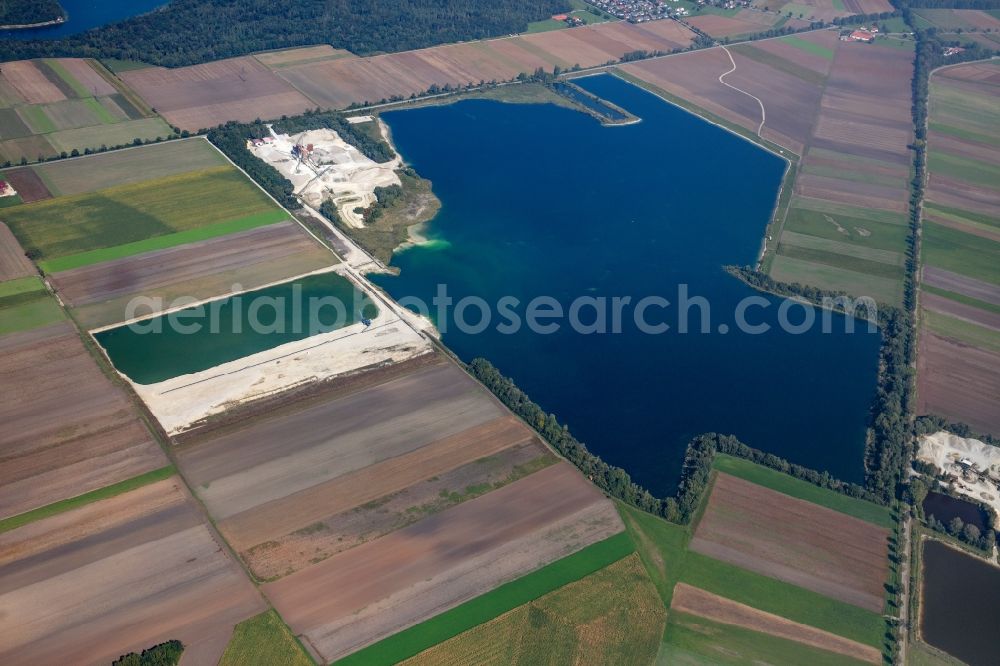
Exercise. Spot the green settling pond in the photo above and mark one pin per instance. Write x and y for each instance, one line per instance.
(203, 336)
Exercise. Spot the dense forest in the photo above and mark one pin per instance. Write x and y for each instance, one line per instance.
(187, 32)
(26, 12)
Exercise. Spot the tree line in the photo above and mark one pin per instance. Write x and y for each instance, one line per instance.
(188, 32)
(164, 654)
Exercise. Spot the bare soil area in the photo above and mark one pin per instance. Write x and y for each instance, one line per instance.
(338, 532)
(206, 95)
(958, 382)
(67, 429)
(795, 541)
(960, 284)
(695, 601)
(27, 183)
(30, 82)
(270, 521)
(13, 263)
(119, 576)
(276, 457)
(363, 594)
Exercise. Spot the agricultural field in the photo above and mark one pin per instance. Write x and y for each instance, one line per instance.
(288, 82)
(203, 96)
(69, 429)
(611, 616)
(13, 263)
(359, 490)
(959, 357)
(264, 639)
(824, 10)
(747, 603)
(777, 536)
(54, 106)
(118, 576)
(742, 23)
(844, 109)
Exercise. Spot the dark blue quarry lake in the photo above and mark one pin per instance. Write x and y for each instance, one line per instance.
(540, 200)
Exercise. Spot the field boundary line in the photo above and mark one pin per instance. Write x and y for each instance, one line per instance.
(763, 112)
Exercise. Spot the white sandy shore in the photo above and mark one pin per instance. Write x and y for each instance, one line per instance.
(180, 402)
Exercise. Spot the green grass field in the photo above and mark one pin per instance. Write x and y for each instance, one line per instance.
(662, 547)
(62, 506)
(264, 640)
(809, 47)
(126, 167)
(694, 641)
(961, 253)
(963, 331)
(789, 485)
(580, 9)
(25, 304)
(849, 262)
(963, 168)
(161, 242)
(961, 298)
(847, 229)
(132, 213)
(791, 269)
(612, 616)
(780, 598)
(451, 623)
(837, 246)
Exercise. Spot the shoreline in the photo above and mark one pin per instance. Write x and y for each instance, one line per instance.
(29, 26)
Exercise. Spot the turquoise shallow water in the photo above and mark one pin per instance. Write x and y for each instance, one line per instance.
(168, 346)
(541, 200)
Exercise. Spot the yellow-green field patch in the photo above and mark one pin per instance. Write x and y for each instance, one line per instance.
(131, 213)
(264, 640)
(613, 616)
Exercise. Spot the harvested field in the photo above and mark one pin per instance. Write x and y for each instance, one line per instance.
(688, 599)
(959, 382)
(13, 263)
(27, 183)
(612, 616)
(286, 454)
(68, 429)
(30, 82)
(958, 360)
(725, 26)
(99, 293)
(339, 82)
(54, 106)
(337, 532)
(203, 96)
(299, 55)
(127, 167)
(117, 576)
(960, 284)
(361, 595)
(795, 541)
(299, 510)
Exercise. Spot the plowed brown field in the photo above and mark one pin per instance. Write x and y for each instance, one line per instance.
(100, 293)
(67, 429)
(13, 263)
(958, 381)
(361, 595)
(118, 576)
(203, 96)
(795, 541)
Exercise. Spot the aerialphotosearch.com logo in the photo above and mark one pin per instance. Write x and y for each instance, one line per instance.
(683, 313)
